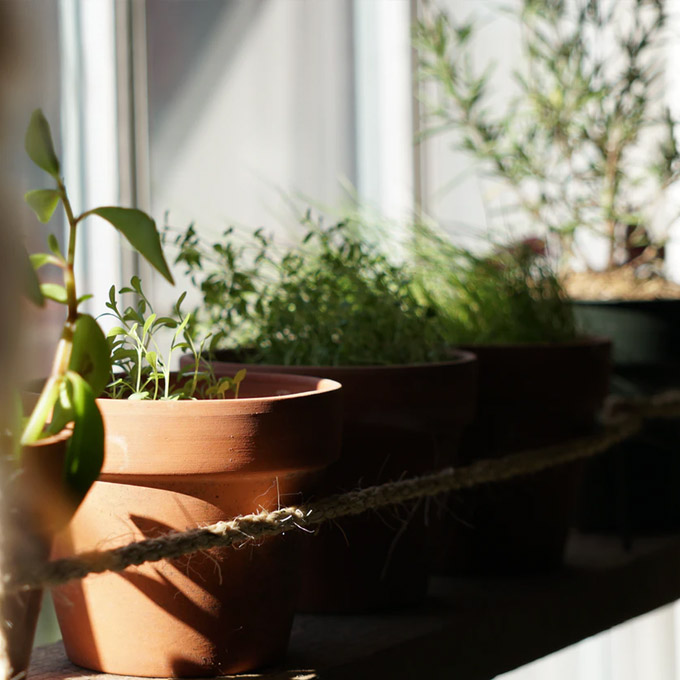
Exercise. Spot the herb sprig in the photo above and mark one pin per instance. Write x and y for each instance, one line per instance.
(142, 369)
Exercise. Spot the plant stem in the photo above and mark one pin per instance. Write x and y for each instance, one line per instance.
(50, 392)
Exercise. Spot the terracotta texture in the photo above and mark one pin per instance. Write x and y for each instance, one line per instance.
(39, 508)
(530, 396)
(399, 421)
(175, 465)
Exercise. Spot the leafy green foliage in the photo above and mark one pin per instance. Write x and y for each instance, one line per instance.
(82, 363)
(142, 369)
(510, 296)
(334, 300)
(587, 141)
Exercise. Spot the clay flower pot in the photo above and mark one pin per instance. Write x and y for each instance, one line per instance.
(38, 508)
(529, 396)
(399, 421)
(173, 465)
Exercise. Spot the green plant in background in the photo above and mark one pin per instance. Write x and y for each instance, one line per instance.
(82, 363)
(333, 300)
(587, 141)
(510, 296)
(142, 370)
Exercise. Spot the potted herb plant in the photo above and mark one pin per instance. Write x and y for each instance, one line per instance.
(336, 307)
(540, 383)
(179, 454)
(60, 449)
(587, 148)
(170, 452)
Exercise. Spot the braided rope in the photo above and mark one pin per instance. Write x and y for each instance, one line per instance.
(623, 421)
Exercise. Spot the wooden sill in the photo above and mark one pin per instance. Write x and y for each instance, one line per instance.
(472, 629)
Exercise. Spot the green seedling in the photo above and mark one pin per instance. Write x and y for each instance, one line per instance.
(82, 361)
(142, 370)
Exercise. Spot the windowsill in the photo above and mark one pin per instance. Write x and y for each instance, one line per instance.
(472, 628)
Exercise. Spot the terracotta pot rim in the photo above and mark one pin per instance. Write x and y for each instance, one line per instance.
(462, 357)
(582, 341)
(322, 386)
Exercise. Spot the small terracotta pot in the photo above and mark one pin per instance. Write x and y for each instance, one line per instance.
(399, 421)
(38, 508)
(530, 396)
(173, 465)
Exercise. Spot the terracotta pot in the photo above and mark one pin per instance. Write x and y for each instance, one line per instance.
(173, 465)
(399, 421)
(530, 396)
(38, 508)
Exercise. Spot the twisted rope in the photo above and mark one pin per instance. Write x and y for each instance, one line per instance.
(260, 525)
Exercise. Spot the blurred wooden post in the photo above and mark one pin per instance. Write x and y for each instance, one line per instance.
(10, 241)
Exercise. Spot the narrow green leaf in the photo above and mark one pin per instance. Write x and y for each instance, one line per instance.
(147, 324)
(140, 230)
(39, 145)
(181, 327)
(84, 298)
(43, 202)
(90, 357)
(61, 413)
(53, 291)
(85, 452)
(54, 246)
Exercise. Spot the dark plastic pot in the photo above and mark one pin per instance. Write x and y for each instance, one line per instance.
(633, 489)
(398, 421)
(529, 396)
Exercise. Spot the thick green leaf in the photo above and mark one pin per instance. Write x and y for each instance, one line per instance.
(41, 259)
(39, 145)
(53, 291)
(85, 453)
(140, 230)
(43, 203)
(90, 357)
(30, 280)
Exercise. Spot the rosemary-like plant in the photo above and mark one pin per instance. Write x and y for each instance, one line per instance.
(587, 141)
